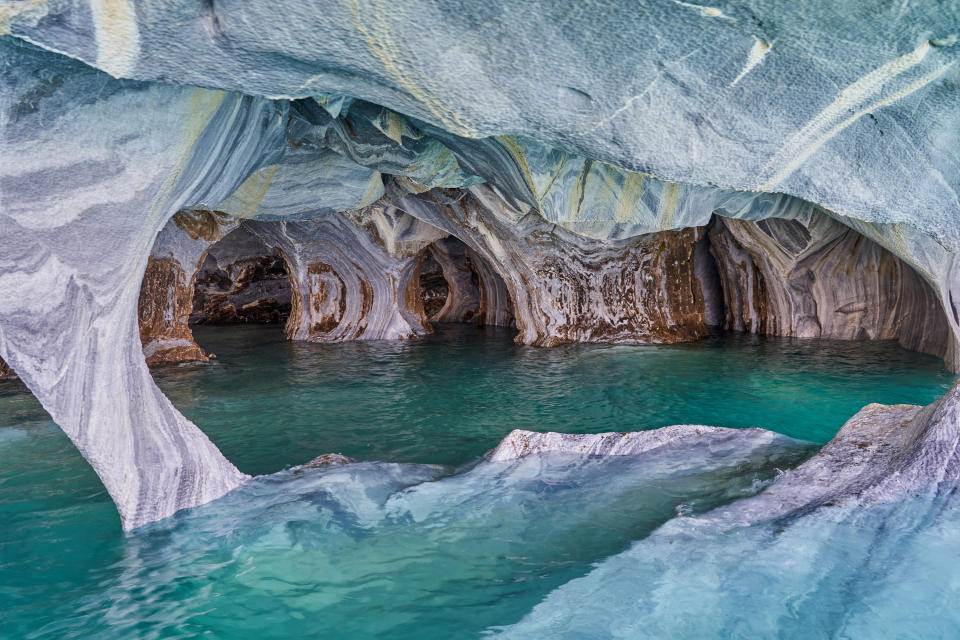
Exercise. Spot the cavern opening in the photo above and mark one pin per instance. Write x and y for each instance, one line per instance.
(459, 286)
(815, 278)
(241, 281)
(466, 319)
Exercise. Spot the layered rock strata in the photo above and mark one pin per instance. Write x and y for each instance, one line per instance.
(434, 289)
(462, 303)
(568, 288)
(475, 293)
(73, 258)
(569, 125)
(355, 275)
(241, 281)
(813, 277)
(520, 442)
(167, 291)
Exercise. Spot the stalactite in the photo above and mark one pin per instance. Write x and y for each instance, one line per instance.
(814, 277)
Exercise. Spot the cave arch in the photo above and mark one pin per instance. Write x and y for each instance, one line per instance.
(816, 277)
(457, 285)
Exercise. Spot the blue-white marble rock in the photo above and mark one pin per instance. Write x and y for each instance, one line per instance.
(92, 170)
(597, 122)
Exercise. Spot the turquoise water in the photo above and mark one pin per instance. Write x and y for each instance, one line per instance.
(422, 541)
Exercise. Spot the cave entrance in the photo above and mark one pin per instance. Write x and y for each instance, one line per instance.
(241, 281)
(813, 277)
(457, 285)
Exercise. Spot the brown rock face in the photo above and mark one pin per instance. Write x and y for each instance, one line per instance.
(250, 289)
(6, 373)
(568, 288)
(817, 278)
(467, 256)
(166, 293)
(166, 300)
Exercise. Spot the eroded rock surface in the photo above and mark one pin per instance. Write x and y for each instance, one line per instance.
(76, 231)
(167, 290)
(550, 159)
(520, 442)
(241, 281)
(6, 373)
(813, 277)
(569, 288)
(474, 291)
(355, 275)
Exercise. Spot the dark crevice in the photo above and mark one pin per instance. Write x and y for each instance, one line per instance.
(241, 281)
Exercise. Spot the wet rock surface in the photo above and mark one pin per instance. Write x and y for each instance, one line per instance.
(554, 160)
(241, 281)
(813, 277)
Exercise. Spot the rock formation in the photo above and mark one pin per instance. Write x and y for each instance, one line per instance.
(569, 288)
(462, 302)
(241, 281)
(520, 442)
(545, 140)
(816, 278)
(77, 230)
(167, 290)
(355, 275)
(473, 292)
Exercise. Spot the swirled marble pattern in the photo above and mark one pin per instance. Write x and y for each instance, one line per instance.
(549, 138)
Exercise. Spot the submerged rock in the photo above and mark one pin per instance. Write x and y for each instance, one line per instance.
(325, 460)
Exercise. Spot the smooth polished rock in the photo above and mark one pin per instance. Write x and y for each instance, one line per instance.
(584, 140)
(354, 275)
(76, 230)
(520, 442)
(813, 277)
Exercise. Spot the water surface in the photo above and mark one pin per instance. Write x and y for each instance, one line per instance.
(421, 541)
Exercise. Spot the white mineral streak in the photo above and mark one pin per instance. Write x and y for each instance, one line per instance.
(117, 34)
(520, 442)
(755, 57)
